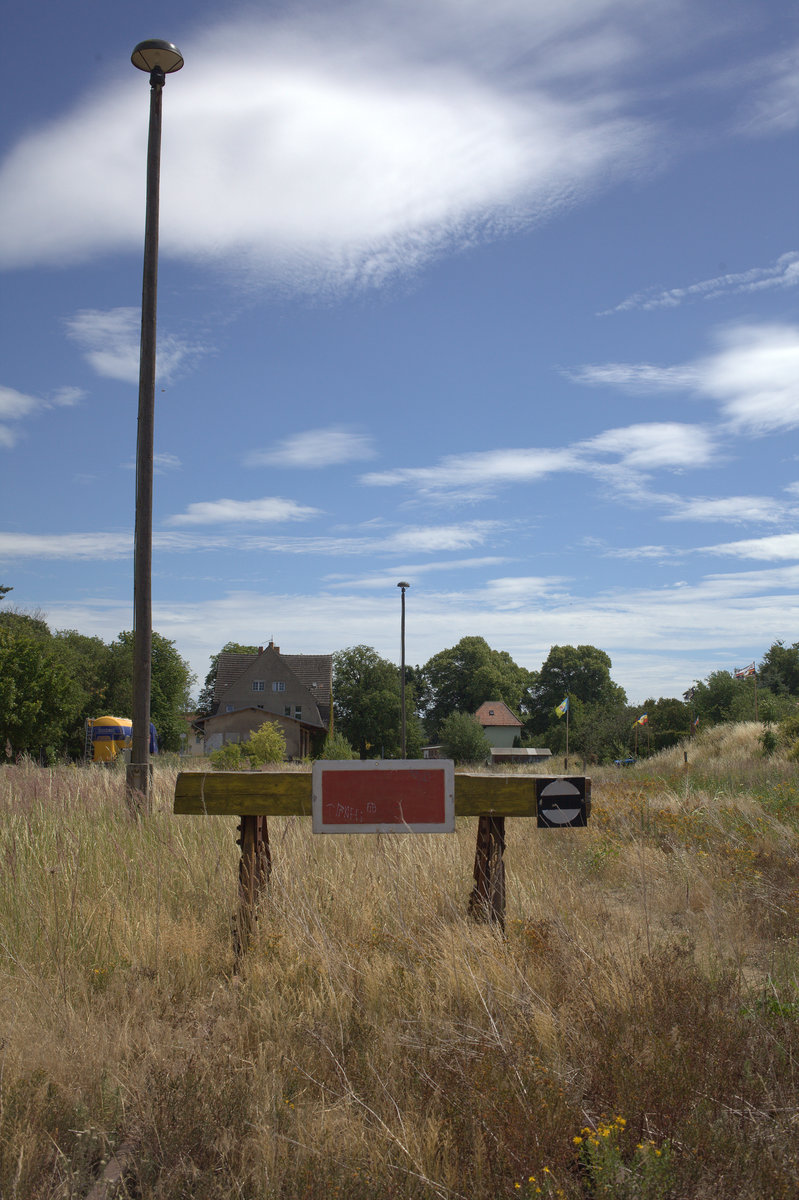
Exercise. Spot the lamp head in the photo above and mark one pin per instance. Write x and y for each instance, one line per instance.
(155, 55)
(403, 585)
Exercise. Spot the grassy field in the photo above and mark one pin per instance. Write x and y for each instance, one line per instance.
(635, 1033)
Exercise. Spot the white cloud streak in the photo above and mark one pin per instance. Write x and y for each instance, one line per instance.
(780, 547)
(636, 448)
(110, 545)
(783, 274)
(269, 510)
(315, 448)
(110, 341)
(17, 406)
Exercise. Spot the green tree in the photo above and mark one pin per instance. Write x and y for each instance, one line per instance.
(714, 698)
(266, 745)
(779, 670)
(580, 672)
(669, 721)
(463, 738)
(86, 660)
(461, 678)
(37, 697)
(205, 701)
(366, 691)
(170, 687)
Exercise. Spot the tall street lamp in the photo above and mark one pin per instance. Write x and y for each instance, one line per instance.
(402, 586)
(158, 59)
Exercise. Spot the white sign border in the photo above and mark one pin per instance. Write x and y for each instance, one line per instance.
(445, 765)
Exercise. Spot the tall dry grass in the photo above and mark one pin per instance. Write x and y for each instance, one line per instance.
(634, 1034)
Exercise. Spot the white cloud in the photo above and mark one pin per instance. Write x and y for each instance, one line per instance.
(66, 546)
(753, 377)
(16, 406)
(472, 473)
(110, 341)
(656, 445)
(422, 539)
(635, 377)
(637, 449)
(420, 132)
(783, 274)
(411, 572)
(775, 108)
(315, 448)
(438, 538)
(782, 547)
(269, 510)
(743, 510)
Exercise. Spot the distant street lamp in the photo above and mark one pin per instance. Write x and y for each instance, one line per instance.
(403, 586)
(159, 59)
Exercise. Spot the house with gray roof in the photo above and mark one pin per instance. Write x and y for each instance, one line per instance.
(293, 690)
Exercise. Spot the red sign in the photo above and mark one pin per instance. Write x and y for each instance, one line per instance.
(415, 796)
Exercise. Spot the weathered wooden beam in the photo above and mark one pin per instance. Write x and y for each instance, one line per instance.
(255, 867)
(487, 901)
(288, 793)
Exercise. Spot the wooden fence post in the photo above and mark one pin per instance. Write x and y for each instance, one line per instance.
(255, 867)
(487, 899)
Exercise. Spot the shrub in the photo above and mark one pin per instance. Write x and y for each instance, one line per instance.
(337, 746)
(229, 758)
(266, 745)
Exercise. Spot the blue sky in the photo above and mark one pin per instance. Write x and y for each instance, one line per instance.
(497, 299)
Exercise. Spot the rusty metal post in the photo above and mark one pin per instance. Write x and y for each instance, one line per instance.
(487, 899)
(255, 868)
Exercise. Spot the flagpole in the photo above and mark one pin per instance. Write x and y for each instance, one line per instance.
(568, 713)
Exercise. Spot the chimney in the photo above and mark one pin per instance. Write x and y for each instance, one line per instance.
(260, 649)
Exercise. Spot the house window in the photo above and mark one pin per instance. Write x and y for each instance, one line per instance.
(298, 713)
(228, 708)
(278, 685)
(287, 711)
(257, 685)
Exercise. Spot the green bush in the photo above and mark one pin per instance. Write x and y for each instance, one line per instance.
(337, 746)
(266, 745)
(229, 758)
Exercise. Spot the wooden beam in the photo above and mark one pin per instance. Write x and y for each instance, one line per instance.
(288, 793)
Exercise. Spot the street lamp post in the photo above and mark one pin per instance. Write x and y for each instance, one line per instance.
(402, 586)
(158, 59)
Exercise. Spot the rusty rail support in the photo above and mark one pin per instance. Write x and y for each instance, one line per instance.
(255, 868)
(487, 899)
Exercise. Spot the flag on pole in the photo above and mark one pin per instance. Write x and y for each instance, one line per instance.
(642, 720)
(743, 672)
(563, 708)
(695, 723)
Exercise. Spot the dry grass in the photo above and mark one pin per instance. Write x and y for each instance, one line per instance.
(377, 1043)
